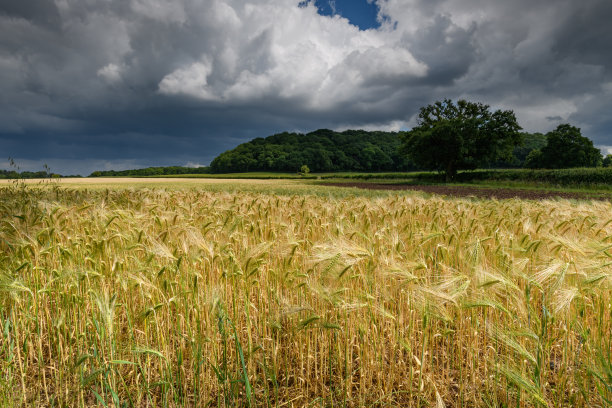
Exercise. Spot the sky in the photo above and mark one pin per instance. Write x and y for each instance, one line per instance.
(116, 84)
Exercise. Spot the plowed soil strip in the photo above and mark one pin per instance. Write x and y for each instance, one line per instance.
(469, 191)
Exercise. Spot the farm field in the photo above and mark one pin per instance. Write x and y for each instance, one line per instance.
(599, 179)
(486, 191)
(279, 293)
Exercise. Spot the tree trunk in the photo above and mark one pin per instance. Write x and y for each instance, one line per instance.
(450, 171)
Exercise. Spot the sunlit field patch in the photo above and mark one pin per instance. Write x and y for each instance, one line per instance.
(282, 295)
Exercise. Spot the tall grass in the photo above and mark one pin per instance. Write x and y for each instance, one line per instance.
(155, 298)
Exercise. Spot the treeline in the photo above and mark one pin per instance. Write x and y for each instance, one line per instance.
(151, 171)
(322, 151)
(14, 174)
(353, 150)
(566, 148)
(363, 151)
(562, 148)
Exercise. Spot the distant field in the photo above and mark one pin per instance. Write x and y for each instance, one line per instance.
(272, 186)
(479, 191)
(577, 179)
(278, 293)
(135, 180)
(310, 176)
(252, 175)
(595, 182)
(338, 185)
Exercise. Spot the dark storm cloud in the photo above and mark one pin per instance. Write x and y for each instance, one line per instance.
(43, 12)
(540, 58)
(447, 50)
(585, 34)
(89, 85)
(554, 118)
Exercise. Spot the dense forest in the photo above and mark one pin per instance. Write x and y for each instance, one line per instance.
(322, 150)
(325, 150)
(352, 150)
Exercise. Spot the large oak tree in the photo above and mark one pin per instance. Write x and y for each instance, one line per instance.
(451, 137)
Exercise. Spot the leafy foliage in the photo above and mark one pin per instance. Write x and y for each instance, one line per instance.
(13, 174)
(450, 137)
(530, 142)
(565, 148)
(321, 150)
(16, 173)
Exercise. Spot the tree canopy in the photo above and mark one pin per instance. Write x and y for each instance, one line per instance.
(530, 142)
(451, 137)
(321, 150)
(565, 148)
(14, 174)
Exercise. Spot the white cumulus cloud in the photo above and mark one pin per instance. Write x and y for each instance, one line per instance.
(111, 73)
(274, 49)
(190, 80)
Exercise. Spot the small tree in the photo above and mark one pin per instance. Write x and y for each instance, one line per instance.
(450, 137)
(566, 148)
(607, 161)
(534, 159)
(304, 170)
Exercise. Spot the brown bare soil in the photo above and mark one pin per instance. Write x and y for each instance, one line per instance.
(480, 192)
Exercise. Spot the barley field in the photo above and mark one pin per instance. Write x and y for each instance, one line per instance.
(217, 297)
